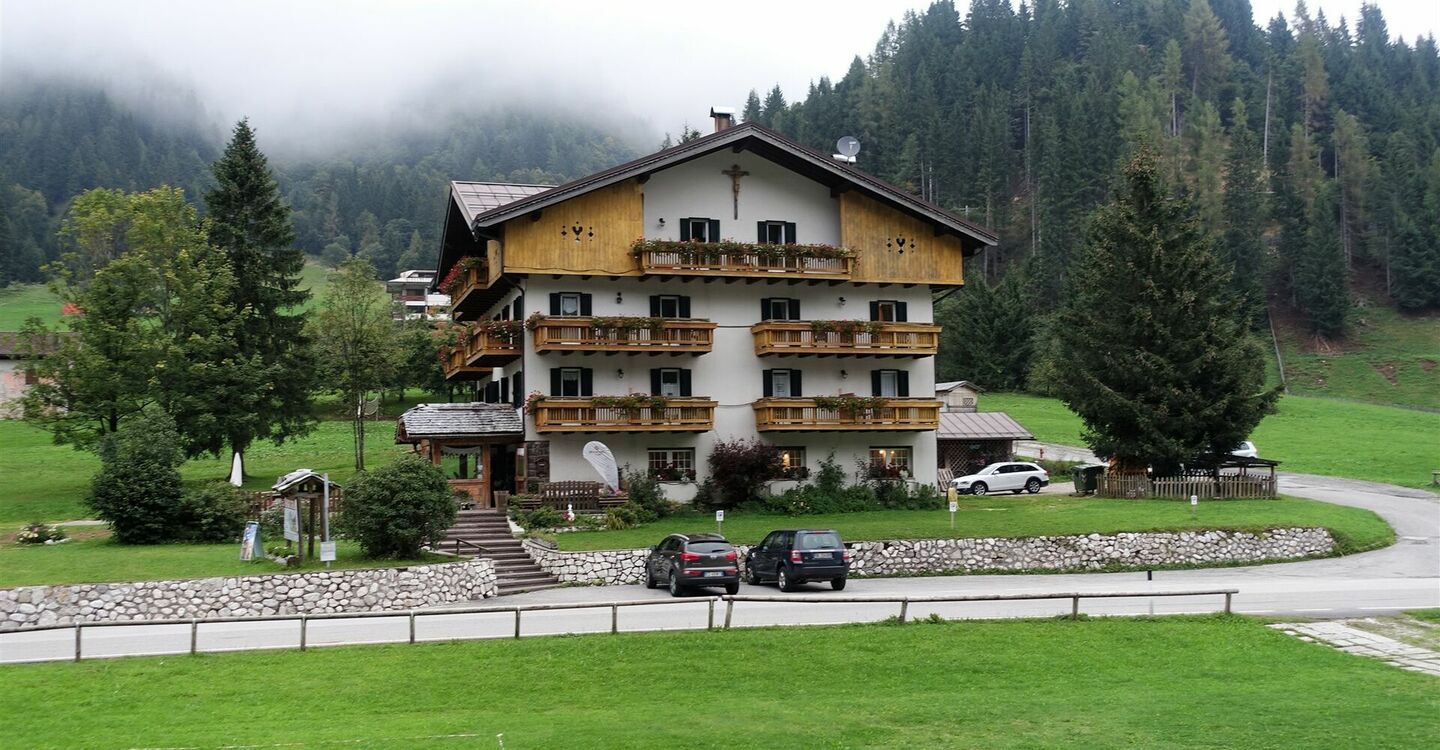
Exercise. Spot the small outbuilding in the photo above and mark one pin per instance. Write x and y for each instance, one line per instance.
(969, 441)
(492, 433)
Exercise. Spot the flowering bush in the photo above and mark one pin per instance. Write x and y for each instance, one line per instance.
(691, 250)
(36, 532)
(849, 404)
(629, 402)
(535, 319)
(500, 330)
(533, 400)
(612, 324)
(672, 473)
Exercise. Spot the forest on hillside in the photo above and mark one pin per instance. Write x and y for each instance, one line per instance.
(383, 202)
(1309, 146)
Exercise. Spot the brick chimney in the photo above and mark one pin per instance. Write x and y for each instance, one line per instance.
(724, 117)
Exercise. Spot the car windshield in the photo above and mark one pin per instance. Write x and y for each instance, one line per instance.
(817, 540)
(991, 469)
(708, 547)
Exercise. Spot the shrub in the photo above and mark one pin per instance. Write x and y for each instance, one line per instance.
(213, 513)
(623, 517)
(137, 489)
(397, 508)
(38, 532)
(543, 517)
(646, 498)
(741, 468)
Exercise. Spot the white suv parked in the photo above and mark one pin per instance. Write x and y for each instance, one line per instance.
(1006, 475)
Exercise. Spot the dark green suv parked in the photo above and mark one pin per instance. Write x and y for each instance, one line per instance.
(685, 561)
(791, 557)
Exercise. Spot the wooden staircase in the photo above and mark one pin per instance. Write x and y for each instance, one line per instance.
(515, 570)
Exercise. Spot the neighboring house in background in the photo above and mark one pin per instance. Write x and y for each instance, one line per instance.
(14, 381)
(413, 298)
(958, 395)
(738, 285)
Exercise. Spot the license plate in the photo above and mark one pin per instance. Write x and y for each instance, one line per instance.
(714, 574)
(822, 556)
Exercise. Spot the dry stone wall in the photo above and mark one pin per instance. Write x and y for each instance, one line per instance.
(243, 596)
(1059, 553)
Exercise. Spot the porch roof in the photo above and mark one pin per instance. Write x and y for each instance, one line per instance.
(460, 422)
(984, 425)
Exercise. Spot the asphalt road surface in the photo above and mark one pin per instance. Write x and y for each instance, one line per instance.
(1403, 576)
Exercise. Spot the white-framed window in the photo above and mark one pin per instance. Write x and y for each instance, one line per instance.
(889, 383)
(775, 232)
(570, 382)
(700, 230)
(669, 306)
(780, 385)
(779, 309)
(896, 459)
(885, 311)
(792, 463)
(669, 382)
(570, 304)
(671, 464)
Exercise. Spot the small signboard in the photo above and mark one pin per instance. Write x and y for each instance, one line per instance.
(954, 506)
(250, 543)
(292, 522)
(327, 552)
(719, 516)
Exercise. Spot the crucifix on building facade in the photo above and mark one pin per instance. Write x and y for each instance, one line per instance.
(735, 173)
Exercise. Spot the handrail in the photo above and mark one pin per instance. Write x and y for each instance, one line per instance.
(614, 607)
(469, 543)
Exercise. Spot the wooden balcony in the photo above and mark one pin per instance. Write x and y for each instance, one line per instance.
(582, 415)
(701, 263)
(473, 281)
(802, 415)
(455, 366)
(675, 336)
(891, 340)
(491, 349)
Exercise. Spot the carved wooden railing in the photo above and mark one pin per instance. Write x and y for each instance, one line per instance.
(580, 335)
(799, 414)
(701, 263)
(582, 415)
(892, 339)
(491, 346)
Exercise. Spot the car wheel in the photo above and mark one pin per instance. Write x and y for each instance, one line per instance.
(751, 577)
(675, 588)
(782, 579)
(1032, 485)
(650, 581)
(979, 488)
(838, 584)
(732, 588)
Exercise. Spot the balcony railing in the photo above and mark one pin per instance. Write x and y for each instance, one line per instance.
(491, 349)
(698, 262)
(473, 279)
(801, 414)
(670, 336)
(891, 339)
(456, 367)
(582, 415)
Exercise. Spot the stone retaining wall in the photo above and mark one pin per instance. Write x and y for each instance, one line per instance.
(312, 592)
(1059, 553)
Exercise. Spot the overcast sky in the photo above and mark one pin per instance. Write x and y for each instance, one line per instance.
(315, 68)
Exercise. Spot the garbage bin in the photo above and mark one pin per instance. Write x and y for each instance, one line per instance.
(1086, 478)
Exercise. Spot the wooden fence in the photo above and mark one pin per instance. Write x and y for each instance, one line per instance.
(1181, 488)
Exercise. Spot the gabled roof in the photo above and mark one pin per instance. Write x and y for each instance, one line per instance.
(458, 421)
(984, 425)
(476, 198)
(951, 385)
(296, 477)
(750, 136)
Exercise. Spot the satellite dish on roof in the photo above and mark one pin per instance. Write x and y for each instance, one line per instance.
(847, 146)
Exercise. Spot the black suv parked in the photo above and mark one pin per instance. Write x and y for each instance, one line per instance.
(685, 561)
(793, 556)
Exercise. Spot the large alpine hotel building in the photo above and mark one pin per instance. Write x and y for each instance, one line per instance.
(735, 286)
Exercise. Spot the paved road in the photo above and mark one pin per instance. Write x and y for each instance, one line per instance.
(1403, 576)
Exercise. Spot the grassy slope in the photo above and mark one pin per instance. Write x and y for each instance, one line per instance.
(1309, 435)
(42, 481)
(1388, 358)
(100, 560)
(1014, 516)
(1176, 682)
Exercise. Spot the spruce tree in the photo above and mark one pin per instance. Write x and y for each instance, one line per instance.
(251, 225)
(1242, 243)
(1161, 366)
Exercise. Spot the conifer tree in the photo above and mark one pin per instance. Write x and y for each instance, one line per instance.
(752, 108)
(251, 225)
(1161, 366)
(1242, 243)
(989, 333)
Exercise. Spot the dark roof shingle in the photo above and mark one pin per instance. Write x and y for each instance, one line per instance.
(984, 425)
(458, 420)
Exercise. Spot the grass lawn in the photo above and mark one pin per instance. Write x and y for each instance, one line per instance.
(1308, 435)
(19, 302)
(1143, 683)
(46, 482)
(100, 560)
(1016, 516)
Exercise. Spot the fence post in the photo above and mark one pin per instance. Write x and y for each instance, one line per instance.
(1227, 602)
(77, 640)
(904, 606)
(729, 607)
(517, 622)
(614, 618)
(412, 626)
(302, 631)
(1075, 607)
(710, 622)
(194, 634)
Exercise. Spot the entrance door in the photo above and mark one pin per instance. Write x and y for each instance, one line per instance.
(501, 470)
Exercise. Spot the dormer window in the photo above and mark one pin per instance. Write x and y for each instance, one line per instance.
(699, 230)
(776, 232)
